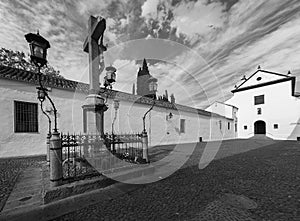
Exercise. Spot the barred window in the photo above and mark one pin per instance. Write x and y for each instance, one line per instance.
(26, 116)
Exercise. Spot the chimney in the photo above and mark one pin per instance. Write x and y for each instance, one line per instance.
(172, 97)
(166, 94)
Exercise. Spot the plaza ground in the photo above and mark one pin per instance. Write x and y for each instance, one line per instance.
(265, 173)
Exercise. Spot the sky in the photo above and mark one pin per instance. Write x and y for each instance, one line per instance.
(198, 50)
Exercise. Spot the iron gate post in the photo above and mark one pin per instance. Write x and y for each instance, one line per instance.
(145, 146)
(56, 173)
(48, 148)
(113, 144)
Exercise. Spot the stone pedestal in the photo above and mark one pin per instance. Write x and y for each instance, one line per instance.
(93, 114)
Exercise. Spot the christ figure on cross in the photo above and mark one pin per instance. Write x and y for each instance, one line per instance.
(96, 30)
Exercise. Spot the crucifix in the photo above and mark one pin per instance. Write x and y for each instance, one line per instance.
(94, 106)
(96, 28)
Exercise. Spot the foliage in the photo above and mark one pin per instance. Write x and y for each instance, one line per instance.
(17, 59)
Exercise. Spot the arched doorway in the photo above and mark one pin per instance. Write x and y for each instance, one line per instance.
(259, 127)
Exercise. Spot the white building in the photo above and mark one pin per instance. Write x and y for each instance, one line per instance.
(227, 110)
(24, 127)
(267, 104)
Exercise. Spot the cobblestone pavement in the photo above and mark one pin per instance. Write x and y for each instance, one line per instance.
(9, 170)
(269, 177)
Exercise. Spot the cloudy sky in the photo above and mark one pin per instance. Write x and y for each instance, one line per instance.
(198, 50)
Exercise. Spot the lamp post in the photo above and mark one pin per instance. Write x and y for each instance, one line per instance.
(42, 94)
(38, 48)
(116, 107)
(49, 133)
(152, 90)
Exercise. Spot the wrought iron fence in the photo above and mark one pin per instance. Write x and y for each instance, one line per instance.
(128, 147)
(87, 155)
(74, 152)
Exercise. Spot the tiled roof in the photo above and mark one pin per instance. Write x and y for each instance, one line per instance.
(48, 81)
(61, 83)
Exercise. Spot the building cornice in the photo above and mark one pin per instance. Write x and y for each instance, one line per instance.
(292, 79)
(259, 70)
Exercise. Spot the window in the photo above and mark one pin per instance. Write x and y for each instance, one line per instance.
(259, 99)
(235, 127)
(275, 126)
(26, 116)
(259, 111)
(245, 127)
(220, 124)
(182, 125)
(228, 125)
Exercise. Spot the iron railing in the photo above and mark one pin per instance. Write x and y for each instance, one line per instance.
(128, 147)
(75, 149)
(85, 155)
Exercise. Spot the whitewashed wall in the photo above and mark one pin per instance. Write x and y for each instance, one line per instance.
(19, 144)
(222, 109)
(129, 119)
(167, 131)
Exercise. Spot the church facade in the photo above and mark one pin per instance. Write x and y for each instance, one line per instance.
(24, 126)
(267, 105)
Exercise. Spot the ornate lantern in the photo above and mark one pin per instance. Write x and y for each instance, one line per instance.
(38, 48)
(41, 94)
(152, 85)
(110, 74)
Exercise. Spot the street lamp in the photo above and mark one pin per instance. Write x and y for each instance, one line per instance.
(152, 87)
(38, 48)
(152, 94)
(110, 77)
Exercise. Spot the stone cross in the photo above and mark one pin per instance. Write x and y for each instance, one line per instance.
(96, 29)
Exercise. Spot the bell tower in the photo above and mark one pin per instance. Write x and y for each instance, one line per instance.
(142, 86)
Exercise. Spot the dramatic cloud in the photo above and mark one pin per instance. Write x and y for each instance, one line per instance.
(198, 18)
(198, 50)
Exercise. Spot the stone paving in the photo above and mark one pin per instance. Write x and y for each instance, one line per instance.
(261, 184)
(10, 168)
